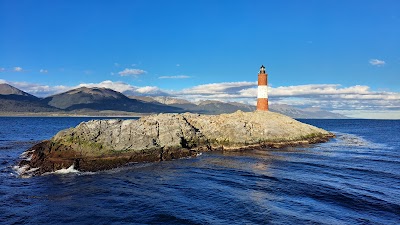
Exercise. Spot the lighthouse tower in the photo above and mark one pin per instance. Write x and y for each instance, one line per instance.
(262, 93)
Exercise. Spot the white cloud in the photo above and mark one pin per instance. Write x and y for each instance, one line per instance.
(131, 72)
(43, 71)
(317, 89)
(39, 89)
(18, 69)
(127, 89)
(226, 91)
(117, 86)
(377, 62)
(219, 88)
(174, 77)
(150, 91)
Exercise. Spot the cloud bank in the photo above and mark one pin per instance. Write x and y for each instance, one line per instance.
(127, 89)
(332, 97)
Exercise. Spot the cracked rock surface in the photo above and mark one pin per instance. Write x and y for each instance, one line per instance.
(105, 144)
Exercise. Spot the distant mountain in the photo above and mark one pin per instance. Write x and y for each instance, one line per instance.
(204, 107)
(14, 100)
(170, 101)
(323, 114)
(164, 100)
(94, 99)
(308, 113)
(217, 107)
(144, 99)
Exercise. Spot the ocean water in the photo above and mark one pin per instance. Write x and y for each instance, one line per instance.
(353, 179)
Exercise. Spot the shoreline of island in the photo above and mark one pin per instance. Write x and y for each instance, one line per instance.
(105, 144)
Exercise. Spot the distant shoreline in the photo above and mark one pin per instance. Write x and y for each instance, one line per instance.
(112, 114)
(86, 114)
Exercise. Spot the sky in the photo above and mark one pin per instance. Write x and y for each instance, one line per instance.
(338, 55)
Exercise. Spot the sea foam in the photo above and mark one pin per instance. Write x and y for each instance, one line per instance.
(24, 171)
(70, 169)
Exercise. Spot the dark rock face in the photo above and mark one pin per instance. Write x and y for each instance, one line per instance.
(47, 156)
(105, 144)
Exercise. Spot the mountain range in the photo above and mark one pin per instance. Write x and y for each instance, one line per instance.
(97, 100)
(217, 107)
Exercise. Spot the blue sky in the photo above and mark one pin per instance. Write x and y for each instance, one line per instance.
(342, 56)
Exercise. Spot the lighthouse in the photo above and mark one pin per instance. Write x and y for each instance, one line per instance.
(262, 91)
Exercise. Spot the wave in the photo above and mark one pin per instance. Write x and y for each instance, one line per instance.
(70, 169)
(24, 171)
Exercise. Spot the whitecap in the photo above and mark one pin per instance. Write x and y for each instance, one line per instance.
(27, 155)
(70, 169)
(20, 169)
(24, 171)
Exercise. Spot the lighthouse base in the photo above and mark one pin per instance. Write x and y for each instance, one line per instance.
(262, 104)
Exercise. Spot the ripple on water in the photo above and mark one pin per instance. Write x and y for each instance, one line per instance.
(350, 180)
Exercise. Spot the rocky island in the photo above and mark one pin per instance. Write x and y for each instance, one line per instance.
(104, 144)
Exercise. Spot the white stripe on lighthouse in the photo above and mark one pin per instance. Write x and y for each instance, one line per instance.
(262, 91)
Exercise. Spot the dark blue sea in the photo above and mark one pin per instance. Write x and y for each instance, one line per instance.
(354, 179)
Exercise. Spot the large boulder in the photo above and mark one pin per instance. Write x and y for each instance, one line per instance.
(105, 144)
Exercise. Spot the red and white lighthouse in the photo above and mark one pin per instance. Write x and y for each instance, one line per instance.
(262, 91)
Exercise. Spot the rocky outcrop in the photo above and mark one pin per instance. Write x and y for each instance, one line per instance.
(104, 144)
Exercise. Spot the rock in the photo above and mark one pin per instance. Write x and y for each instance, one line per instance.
(105, 144)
